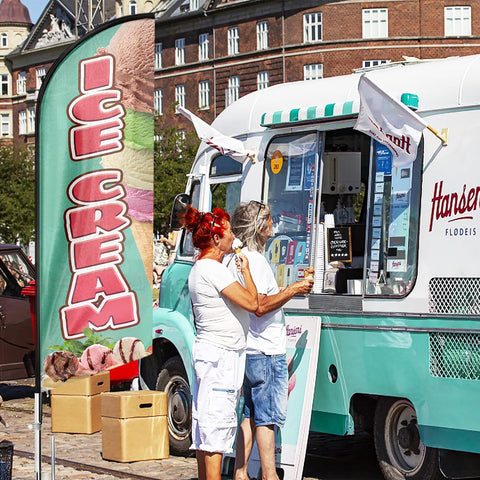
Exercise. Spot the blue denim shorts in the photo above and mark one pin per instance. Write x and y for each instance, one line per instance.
(265, 389)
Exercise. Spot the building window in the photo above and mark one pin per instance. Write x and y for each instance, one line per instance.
(31, 119)
(194, 5)
(312, 27)
(158, 56)
(313, 71)
(262, 35)
(233, 92)
(133, 7)
(158, 101)
(203, 40)
(22, 83)
(180, 95)
(233, 41)
(180, 51)
(5, 124)
(4, 84)
(22, 122)
(4, 40)
(375, 23)
(204, 94)
(374, 63)
(458, 21)
(263, 80)
(40, 76)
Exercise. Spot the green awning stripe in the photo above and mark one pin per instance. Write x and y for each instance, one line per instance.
(302, 114)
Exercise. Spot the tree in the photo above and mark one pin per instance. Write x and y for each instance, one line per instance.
(174, 154)
(17, 195)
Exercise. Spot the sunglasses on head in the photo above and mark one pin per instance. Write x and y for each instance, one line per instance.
(260, 206)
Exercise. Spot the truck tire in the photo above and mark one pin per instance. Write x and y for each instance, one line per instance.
(173, 380)
(400, 452)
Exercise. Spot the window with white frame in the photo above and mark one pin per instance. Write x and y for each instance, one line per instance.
(158, 56)
(312, 27)
(203, 41)
(458, 21)
(22, 122)
(233, 41)
(31, 119)
(4, 84)
(233, 92)
(179, 51)
(204, 94)
(374, 63)
(180, 95)
(158, 101)
(5, 124)
(194, 5)
(375, 23)
(132, 7)
(262, 35)
(263, 80)
(313, 71)
(22, 83)
(4, 40)
(40, 76)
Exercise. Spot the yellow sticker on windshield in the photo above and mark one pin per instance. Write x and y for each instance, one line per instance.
(277, 161)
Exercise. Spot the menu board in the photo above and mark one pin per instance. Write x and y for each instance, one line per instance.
(339, 243)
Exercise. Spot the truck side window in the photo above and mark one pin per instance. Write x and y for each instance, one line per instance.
(393, 235)
(225, 183)
(290, 166)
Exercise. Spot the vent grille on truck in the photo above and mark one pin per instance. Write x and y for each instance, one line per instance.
(455, 296)
(455, 355)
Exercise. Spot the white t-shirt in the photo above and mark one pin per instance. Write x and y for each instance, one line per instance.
(219, 321)
(267, 334)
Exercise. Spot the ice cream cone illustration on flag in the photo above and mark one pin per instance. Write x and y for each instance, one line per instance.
(134, 77)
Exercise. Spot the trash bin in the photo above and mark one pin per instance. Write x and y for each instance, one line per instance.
(6, 460)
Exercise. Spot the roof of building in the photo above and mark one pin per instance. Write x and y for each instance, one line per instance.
(13, 11)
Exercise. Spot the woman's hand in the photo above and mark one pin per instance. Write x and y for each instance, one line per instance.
(241, 261)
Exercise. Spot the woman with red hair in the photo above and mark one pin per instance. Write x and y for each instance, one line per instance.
(220, 306)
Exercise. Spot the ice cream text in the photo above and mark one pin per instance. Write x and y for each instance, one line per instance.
(99, 296)
(96, 112)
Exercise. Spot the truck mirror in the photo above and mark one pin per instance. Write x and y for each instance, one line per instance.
(178, 209)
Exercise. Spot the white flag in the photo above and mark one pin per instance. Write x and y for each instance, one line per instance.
(226, 145)
(390, 122)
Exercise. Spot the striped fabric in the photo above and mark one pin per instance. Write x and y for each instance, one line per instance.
(305, 114)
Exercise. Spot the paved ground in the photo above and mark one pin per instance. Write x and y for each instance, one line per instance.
(79, 456)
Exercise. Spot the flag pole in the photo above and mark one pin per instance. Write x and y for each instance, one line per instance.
(442, 136)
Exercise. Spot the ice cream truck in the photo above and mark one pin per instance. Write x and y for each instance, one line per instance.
(396, 298)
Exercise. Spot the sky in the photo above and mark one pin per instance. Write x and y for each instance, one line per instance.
(35, 7)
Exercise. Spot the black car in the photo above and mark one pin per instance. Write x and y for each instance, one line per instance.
(16, 328)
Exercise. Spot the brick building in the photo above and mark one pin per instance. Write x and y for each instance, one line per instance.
(208, 56)
(208, 53)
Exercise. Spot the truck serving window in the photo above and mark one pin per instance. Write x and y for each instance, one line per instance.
(290, 166)
(393, 219)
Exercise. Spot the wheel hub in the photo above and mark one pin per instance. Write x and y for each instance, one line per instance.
(409, 438)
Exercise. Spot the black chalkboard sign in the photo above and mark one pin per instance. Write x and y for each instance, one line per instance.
(339, 242)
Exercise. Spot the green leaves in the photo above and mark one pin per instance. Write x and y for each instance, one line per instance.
(174, 154)
(77, 347)
(17, 195)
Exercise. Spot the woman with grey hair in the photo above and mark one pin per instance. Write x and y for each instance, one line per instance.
(265, 385)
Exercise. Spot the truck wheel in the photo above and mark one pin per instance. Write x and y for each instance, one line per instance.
(400, 452)
(173, 380)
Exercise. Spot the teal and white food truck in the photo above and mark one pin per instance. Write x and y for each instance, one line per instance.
(395, 252)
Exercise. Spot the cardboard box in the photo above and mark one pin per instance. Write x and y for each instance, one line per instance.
(76, 413)
(132, 404)
(90, 385)
(134, 439)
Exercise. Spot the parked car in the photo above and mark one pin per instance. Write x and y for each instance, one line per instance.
(17, 348)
